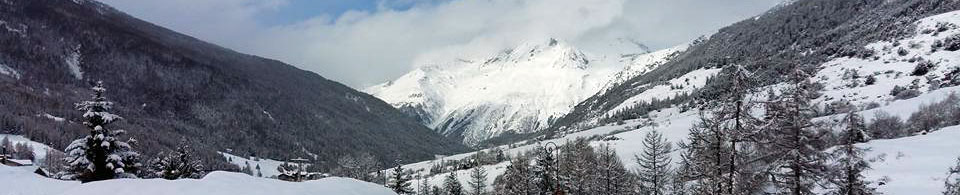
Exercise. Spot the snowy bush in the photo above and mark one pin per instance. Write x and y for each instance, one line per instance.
(900, 93)
(952, 43)
(886, 126)
(937, 115)
(177, 164)
(922, 68)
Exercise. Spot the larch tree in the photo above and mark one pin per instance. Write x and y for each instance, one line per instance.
(517, 179)
(612, 178)
(849, 163)
(101, 155)
(794, 139)
(400, 181)
(577, 168)
(654, 163)
(478, 180)
(702, 161)
(738, 126)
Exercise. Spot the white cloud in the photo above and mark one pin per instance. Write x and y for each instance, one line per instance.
(362, 48)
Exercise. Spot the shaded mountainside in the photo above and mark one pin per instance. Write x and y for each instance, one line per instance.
(802, 33)
(169, 85)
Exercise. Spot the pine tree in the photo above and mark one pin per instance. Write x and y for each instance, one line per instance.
(478, 180)
(952, 182)
(795, 141)
(517, 179)
(612, 178)
(850, 164)
(654, 163)
(400, 181)
(452, 185)
(178, 164)
(100, 155)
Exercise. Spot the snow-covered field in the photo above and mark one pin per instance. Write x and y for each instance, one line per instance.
(22, 181)
(914, 165)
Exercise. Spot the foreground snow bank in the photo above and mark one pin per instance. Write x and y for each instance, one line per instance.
(21, 181)
(916, 164)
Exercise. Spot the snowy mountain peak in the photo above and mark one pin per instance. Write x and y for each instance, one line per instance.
(552, 53)
(519, 89)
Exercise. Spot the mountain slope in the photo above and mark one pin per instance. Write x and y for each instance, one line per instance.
(806, 32)
(171, 86)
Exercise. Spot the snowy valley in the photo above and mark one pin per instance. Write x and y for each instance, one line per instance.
(809, 97)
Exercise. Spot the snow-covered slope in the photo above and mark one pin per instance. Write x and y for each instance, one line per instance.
(268, 167)
(22, 181)
(638, 64)
(39, 149)
(519, 90)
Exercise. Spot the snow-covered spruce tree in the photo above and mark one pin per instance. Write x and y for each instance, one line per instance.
(952, 182)
(517, 179)
(545, 170)
(451, 185)
(478, 180)
(100, 155)
(794, 141)
(612, 178)
(178, 164)
(400, 181)
(654, 161)
(849, 163)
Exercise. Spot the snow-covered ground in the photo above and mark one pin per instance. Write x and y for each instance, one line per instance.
(914, 165)
(22, 181)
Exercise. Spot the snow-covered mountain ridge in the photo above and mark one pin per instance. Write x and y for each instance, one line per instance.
(518, 90)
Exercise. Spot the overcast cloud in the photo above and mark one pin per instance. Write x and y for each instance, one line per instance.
(362, 47)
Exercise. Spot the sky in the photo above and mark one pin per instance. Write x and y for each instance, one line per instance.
(366, 42)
